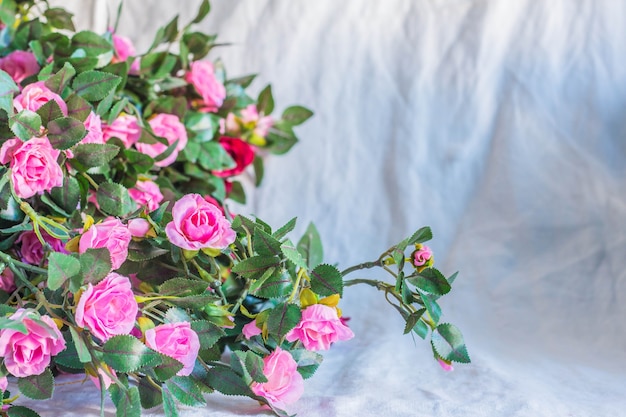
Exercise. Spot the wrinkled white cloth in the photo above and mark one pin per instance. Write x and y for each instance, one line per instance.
(501, 125)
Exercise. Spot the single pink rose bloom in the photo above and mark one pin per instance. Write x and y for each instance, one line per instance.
(284, 384)
(446, 366)
(215, 203)
(262, 125)
(111, 234)
(139, 227)
(32, 250)
(108, 308)
(7, 280)
(35, 95)
(29, 354)
(250, 330)
(241, 152)
(201, 75)
(123, 48)
(169, 127)
(4, 383)
(34, 167)
(422, 255)
(93, 124)
(198, 224)
(125, 127)
(19, 65)
(146, 193)
(319, 327)
(176, 340)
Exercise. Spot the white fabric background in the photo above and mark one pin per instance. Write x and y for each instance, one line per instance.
(498, 123)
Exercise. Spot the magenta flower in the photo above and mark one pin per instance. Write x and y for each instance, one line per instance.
(241, 152)
(422, 255)
(176, 340)
(201, 75)
(125, 127)
(146, 193)
(7, 281)
(35, 95)
(167, 126)
(19, 65)
(32, 250)
(284, 384)
(319, 327)
(250, 330)
(111, 234)
(93, 125)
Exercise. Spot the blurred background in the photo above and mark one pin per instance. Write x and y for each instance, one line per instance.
(499, 124)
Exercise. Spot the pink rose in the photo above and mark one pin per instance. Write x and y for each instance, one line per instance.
(32, 250)
(262, 125)
(146, 193)
(241, 152)
(215, 203)
(125, 127)
(250, 330)
(111, 234)
(108, 308)
(176, 340)
(33, 164)
(445, 365)
(169, 127)
(35, 95)
(19, 65)
(139, 227)
(284, 384)
(29, 354)
(422, 255)
(7, 281)
(93, 124)
(202, 76)
(319, 327)
(125, 49)
(198, 224)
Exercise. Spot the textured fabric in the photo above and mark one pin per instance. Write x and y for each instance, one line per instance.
(500, 124)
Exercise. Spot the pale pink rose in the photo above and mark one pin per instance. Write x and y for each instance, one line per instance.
(284, 384)
(262, 125)
(169, 127)
(125, 127)
(108, 308)
(139, 227)
(146, 193)
(93, 124)
(250, 330)
(105, 377)
(7, 280)
(176, 340)
(446, 366)
(29, 354)
(35, 95)
(125, 49)
(111, 234)
(19, 65)
(202, 76)
(4, 383)
(241, 152)
(319, 327)
(422, 255)
(33, 164)
(32, 250)
(230, 125)
(198, 224)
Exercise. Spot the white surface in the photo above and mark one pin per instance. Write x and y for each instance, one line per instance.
(500, 124)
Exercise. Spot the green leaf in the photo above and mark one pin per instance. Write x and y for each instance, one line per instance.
(448, 342)
(265, 244)
(183, 287)
(126, 400)
(149, 395)
(208, 333)
(95, 154)
(431, 281)
(259, 170)
(195, 301)
(84, 356)
(291, 252)
(168, 368)
(307, 361)
(67, 196)
(95, 264)
(65, 132)
(78, 107)
(288, 227)
(186, 391)
(139, 162)
(275, 285)
(434, 311)
(244, 81)
(413, 319)
(310, 247)
(296, 115)
(126, 353)
(169, 404)
(226, 381)
(61, 79)
(95, 85)
(49, 111)
(326, 280)
(204, 9)
(422, 235)
(171, 30)
(61, 268)
(69, 358)
(21, 411)
(265, 102)
(139, 251)
(92, 43)
(60, 18)
(25, 124)
(37, 387)
(213, 156)
(255, 266)
(249, 365)
(421, 329)
(114, 199)
(282, 319)
(8, 89)
(398, 254)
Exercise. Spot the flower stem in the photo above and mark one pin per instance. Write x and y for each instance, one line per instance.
(364, 265)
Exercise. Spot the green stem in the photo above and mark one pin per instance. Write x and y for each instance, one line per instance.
(364, 265)
(242, 296)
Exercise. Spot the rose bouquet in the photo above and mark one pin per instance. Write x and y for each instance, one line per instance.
(119, 256)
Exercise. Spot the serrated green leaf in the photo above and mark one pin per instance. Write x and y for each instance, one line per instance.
(276, 285)
(78, 107)
(213, 157)
(296, 115)
(448, 342)
(249, 365)
(208, 333)
(186, 391)
(84, 356)
(168, 368)
(67, 196)
(413, 319)
(127, 354)
(169, 404)
(226, 381)
(61, 79)
(37, 387)
(95, 85)
(422, 235)
(127, 401)
(307, 361)
(421, 329)
(310, 247)
(49, 111)
(21, 411)
(95, 154)
(183, 287)
(149, 395)
(195, 301)
(282, 231)
(255, 266)
(139, 162)
(92, 43)
(265, 102)
(60, 18)
(114, 199)
(265, 244)
(25, 124)
(326, 280)
(282, 319)
(95, 264)
(65, 132)
(8, 89)
(434, 310)
(61, 268)
(431, 281)
(291, 252)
